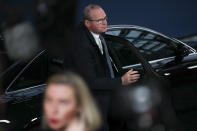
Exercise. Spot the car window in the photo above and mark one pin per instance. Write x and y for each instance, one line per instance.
(151, 46)
(34, 74)
(123, 56)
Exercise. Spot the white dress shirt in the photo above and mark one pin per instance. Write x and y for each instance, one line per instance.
(98, 41)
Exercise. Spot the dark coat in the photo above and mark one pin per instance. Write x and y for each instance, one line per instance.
(86, 59)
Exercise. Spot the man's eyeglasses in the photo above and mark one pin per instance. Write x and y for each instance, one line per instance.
(99, 21)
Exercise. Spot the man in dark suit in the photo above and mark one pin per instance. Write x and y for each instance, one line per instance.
(90, 58)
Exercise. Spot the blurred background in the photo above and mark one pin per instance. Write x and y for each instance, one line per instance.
(171, 17)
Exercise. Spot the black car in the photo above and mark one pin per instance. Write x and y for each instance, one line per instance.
(133, 47)
(168, 57)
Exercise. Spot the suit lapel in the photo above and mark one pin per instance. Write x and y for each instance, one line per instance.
(93, 42)
(90, 36)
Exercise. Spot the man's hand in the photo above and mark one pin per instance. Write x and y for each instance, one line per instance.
(130, 77)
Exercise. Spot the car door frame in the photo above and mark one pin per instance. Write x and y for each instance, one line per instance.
(146, 66)
(20, 73)
(154, 63)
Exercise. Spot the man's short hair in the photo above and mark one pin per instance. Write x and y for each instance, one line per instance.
(87, 9)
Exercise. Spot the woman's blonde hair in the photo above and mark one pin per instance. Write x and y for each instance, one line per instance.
(89, 113)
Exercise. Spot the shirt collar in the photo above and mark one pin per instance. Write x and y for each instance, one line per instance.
(95, 35)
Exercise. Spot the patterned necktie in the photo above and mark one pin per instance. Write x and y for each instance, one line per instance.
(107, 56)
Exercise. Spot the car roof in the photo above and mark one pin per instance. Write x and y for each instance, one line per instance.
(136, 27)
(149, 30)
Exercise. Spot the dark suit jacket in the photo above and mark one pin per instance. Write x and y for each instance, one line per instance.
(86, 59)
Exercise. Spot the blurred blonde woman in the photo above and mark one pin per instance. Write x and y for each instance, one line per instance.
(68, 105)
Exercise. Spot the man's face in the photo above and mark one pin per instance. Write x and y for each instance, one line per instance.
(98, 21)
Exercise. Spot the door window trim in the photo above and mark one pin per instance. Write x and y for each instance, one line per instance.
(29, 88)
(19, 74)
(151, 62)
(145, 64)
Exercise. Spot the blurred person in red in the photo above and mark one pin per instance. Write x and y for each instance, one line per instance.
(68, 105)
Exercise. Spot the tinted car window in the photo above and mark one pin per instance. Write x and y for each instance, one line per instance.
(123, 56)
(34, 74)
(150, 45)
